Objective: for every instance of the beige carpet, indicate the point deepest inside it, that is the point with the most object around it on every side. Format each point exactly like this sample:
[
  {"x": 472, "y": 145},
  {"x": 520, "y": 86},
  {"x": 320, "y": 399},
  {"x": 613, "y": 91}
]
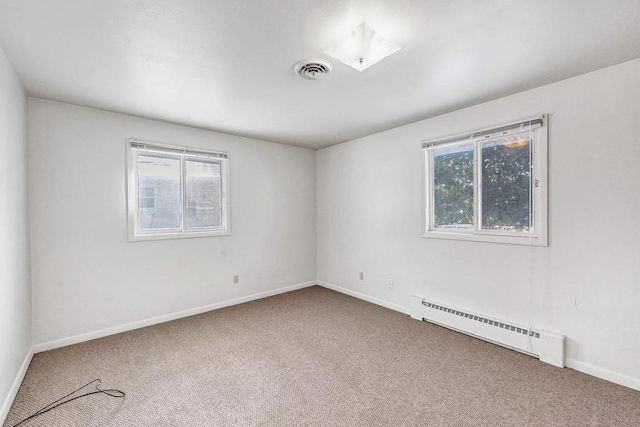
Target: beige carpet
[{"x": 313, "y": 357}]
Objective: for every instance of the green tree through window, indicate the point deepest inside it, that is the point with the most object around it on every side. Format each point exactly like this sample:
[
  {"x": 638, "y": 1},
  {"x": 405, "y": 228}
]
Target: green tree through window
[
  {"x": 506, "y": 184},
  {"x": 453, "y": 187}
]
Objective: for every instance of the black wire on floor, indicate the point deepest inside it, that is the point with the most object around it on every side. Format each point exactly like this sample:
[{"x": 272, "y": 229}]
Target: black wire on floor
[{"x": 109, "y": 392}]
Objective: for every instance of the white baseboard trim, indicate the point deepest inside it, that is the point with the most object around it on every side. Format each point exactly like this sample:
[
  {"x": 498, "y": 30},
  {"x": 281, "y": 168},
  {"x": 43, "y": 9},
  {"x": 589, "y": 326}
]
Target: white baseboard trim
[
  {"x": 587, "y": 368},
  {"x": 373, "y": 300},
  {"x": 8, "y": 401},
  {"x": 605, "y": 374},
  {"x": 50, "y": 345}
]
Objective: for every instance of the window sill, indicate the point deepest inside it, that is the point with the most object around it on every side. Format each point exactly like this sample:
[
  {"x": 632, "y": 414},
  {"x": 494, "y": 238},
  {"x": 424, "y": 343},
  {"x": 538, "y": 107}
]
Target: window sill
[
  {"x": 487, "y": 238},
  {"x": 178, "y": 235}
]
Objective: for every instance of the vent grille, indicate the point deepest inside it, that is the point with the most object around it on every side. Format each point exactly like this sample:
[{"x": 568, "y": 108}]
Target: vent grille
[
  {"x": 313, "y": 69},
  {"x": 481, "y": 319}
]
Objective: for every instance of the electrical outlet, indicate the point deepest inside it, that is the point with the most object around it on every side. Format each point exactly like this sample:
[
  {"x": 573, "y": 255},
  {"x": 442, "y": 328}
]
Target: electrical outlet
[
  {"x": 390, "y": 284},
  {"x": 236, "y": 280},
  {"x": 361, "y": 275}
]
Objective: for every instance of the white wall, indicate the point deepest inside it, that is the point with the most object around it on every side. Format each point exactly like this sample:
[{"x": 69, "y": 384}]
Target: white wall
[
  {"x": 87, "y": 276},
  {"x": 586, "y": 284},
  {"x": 15, "y": 287}
]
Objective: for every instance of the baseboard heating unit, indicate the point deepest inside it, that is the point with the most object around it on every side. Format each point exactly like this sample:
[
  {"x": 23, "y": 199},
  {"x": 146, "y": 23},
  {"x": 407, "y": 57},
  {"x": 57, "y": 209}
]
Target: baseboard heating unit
[{"x": 546, "y": 346}]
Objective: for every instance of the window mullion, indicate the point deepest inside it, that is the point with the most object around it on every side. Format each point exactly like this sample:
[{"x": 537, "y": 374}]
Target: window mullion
[{"x": 183, "y": 189}]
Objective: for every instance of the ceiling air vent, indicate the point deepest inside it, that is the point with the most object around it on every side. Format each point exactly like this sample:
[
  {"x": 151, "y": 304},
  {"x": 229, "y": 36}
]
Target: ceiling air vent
[{"x": 313, "y": 69}]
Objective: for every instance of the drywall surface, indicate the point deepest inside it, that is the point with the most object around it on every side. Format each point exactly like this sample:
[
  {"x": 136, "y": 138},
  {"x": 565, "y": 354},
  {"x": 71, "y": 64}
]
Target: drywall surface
[
  {"x": 88, "y": 277},
  {"x": 15, "y": 286},
  {"x": 585, "y": 285}
]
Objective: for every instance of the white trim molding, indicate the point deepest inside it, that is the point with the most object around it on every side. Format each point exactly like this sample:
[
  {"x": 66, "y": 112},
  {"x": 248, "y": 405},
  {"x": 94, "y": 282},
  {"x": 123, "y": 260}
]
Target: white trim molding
[
  {"x": 586, "y": 368},
  {"x": 13, "y": 391},
  {"x": 62, "y": 342},
  {"x": 604, "y": 374},
  {"x": 364, "y": 297}
]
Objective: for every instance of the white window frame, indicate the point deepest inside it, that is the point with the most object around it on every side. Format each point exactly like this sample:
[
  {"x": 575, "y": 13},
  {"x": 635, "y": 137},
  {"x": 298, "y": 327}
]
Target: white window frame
[
  {"x": 539, "y": 236},
  {"x": 133, "y": 224}
]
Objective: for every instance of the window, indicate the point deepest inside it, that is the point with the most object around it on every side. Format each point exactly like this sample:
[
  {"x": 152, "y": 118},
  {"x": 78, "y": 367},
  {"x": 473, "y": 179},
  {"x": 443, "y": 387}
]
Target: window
[
  {"x": 488, "y": 185},
  {"x": 176, "y": 192}
]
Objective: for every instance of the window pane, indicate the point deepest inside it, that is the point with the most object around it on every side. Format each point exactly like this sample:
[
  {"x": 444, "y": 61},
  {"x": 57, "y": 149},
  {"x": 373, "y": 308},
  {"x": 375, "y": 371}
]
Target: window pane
[
  {"x": 147, "y": 192},
  {"x": 506, "y": 183},
  {"x": 204, "y": 191},
  {"x": 147, "y": 202},
  {"x": 159, "y": 194},
  {"x": 453, "y": 187}
]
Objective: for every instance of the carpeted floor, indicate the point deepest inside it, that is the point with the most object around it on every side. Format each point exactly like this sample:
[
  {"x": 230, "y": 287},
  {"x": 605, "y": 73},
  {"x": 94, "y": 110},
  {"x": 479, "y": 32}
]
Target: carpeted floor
[{"x": 313, "y": 357}]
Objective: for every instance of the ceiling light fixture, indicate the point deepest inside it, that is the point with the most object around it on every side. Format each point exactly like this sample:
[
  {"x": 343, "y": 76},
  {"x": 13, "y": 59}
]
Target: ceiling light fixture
[{"x": 362, "y": 48}]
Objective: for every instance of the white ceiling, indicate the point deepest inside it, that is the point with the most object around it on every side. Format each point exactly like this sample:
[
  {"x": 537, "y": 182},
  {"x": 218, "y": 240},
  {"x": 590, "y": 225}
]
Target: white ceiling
[{"x": 227, "y": 65}]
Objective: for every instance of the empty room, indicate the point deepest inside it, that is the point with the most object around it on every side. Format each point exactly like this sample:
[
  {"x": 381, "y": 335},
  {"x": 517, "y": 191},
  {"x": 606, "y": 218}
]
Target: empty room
[{"x": 328, "y": 213}]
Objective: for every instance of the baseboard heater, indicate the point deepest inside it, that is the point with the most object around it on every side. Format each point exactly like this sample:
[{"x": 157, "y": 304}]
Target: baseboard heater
[{"x": 546, "y": 346}]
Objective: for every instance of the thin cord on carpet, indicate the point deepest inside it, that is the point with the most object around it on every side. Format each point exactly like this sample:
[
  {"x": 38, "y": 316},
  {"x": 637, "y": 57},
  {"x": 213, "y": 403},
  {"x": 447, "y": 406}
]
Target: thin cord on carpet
[{"x": 109, "y": 392}]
